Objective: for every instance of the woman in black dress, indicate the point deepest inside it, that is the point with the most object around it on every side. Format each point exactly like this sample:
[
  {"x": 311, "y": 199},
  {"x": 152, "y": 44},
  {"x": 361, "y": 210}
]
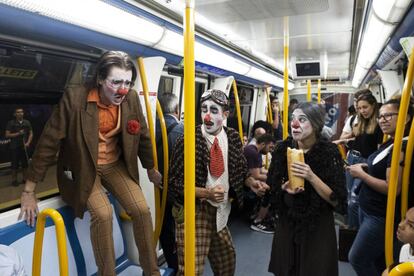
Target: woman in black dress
[{"x": 304, "y": 242}]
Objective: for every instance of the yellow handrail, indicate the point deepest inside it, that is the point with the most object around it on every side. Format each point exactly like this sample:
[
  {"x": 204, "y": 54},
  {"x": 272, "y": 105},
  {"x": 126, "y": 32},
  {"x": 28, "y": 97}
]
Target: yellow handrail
[
  {"x": 407, "y": 171},
  {"x": 269, "y": 107},
  {"x": 285, "y": 76},
  {"x": 153, "y": 143},
  {"x": 60, "y": 238},
  {"x": 404, "y": 269},
  {"x": 392, "y": 185},
  {"x": 319, "y": 91},
  {"x": 237, "y": 102},
  {"x": 164, "y": 136},
  {"x": 309, "y": 94},
  {"x": 189, "y": 137}
]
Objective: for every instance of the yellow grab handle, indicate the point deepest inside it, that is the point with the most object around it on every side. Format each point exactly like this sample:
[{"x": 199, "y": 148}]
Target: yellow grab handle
[
  {"x": 404, "y": 269},
  {"x": 153, "y": 143},
  {"x": 60, "y": 238},
  {"x": 237, "y": 102},
  {"x": 407, "y": 171}
]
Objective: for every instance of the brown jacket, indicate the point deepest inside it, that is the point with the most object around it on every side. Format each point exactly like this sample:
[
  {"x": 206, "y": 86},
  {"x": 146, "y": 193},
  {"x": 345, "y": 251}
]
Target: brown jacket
[{"x": 72, "y": 133}]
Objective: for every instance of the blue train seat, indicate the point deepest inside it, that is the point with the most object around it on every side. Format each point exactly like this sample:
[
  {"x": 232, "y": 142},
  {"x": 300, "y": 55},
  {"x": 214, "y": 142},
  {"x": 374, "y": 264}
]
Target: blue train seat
[{"x": 79, "y": 247}]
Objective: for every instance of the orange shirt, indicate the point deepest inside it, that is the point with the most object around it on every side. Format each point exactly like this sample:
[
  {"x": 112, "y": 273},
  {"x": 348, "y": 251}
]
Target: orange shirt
[{"x": 109, "y": 126}]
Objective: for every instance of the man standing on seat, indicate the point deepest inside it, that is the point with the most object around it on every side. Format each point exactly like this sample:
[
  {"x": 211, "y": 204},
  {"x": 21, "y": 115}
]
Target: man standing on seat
[
  {"x": 97, "y": 132},
  {"x": 20, "y": 133},
  {"x": 221, "y": 172}
]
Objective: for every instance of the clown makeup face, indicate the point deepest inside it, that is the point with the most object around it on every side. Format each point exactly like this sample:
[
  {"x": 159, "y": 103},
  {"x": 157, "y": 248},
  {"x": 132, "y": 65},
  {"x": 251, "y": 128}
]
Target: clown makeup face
[
  {"x": 115, "y": 87},
  {"x": 301, "y": 126},
  {"x": 213, "y": 116}
]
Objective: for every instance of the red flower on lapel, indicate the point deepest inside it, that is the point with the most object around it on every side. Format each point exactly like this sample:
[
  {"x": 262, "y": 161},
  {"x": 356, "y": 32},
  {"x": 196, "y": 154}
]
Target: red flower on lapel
[{"x": 133, "y": 127}]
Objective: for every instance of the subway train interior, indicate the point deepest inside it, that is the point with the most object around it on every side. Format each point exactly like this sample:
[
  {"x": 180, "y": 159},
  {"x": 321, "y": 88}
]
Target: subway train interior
[{"x": 309, "y": 50}]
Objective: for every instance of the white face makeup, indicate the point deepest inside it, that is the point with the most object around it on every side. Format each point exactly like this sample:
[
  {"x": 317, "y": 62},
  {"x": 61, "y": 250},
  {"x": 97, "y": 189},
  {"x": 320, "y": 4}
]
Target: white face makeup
[
  {"x": 115, "y": 86},
  {"x": 212, "y": 116},
  {"x": 301, "y": 126}
]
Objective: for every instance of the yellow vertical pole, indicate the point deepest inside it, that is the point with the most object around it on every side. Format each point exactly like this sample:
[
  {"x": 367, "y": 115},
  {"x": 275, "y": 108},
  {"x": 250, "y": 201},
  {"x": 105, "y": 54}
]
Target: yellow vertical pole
[
  {"x": 393, "y": 180},
  {"x": 60, "y": 239},
  {"x": 237, "y": 102},
  {"x": 309, "y": 94},
  {"x": 319, "y": 91},
  {"x": 153, "y": 143},
  {"x": 285, "y": 77},
  {"x": 269, "y": 106},
  {"x": 407, "y": 171},
  {"x": 189, "y": 138}
]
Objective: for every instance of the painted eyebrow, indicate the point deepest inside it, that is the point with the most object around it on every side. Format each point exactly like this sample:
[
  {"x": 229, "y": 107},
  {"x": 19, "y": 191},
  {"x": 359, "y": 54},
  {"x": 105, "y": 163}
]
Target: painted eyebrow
[{"x": 214, "y": 108}]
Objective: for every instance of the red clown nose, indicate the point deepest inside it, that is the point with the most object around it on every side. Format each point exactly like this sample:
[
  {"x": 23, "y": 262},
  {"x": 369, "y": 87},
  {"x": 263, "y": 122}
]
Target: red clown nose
[
  {"x": 207, "y": 118},
  {"x": 122, "y": 91}
]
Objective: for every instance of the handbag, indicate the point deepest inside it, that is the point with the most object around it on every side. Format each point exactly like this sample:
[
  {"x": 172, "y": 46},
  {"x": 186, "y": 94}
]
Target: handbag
[{"x": 346, "y": 239}]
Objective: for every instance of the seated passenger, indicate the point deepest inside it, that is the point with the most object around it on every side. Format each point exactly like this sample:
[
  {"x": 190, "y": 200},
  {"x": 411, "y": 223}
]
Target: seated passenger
[
  {"x": 221, "y": 173},
  {"x": 97, "y": 132},
  {"x": 405, "y": 234},
  {"x": 304, "y": 242},
  {"x": 367, "y": 252}
]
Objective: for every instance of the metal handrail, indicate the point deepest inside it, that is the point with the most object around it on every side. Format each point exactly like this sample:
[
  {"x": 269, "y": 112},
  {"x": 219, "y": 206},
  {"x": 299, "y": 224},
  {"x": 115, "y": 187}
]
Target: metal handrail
[
  {"x": 165, "y": 149},
  {"x": 285, "y": 76},
  {"x": 404, "y": 269},
  {"x": 407, "y": 171},
  {"x": 189, "y": 137},
  {"x": 237, "y": 102},
  {"x": 153, "y": 143},
  {"x": 395, "y": 163},
  {"x": 60, "y": 238},
  {"x": 309, "y": 94}
]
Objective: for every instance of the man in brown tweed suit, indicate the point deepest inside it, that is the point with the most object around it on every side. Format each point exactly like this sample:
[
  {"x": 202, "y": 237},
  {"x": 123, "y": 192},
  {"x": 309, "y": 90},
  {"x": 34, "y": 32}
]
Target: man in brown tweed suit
[
  {"x": 221, "y": 172},
  {"x": 97, "y": 133}
]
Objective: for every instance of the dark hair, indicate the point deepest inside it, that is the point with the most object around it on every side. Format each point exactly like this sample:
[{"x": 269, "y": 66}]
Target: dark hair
[
  {"x": 351, "y": 110},
  {"x": 397, "y": 102},
  {"x": 272, "y": 98},
  {"x": 367, "y": 125},
  {"x": 293, "y": 101},
  {"x": 316, "y": 115},
  {"x": 263, "y": 124},
  {"x": 112, "y": 59},
  {"x": 361, "y": 92},
  {"x": 169, "y": 103},
  {"x": 266, "y": 138}
]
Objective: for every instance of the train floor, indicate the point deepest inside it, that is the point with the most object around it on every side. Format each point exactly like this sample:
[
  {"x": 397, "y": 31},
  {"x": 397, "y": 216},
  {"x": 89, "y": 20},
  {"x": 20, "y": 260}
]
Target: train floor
[{"x": 253, "y": 251}]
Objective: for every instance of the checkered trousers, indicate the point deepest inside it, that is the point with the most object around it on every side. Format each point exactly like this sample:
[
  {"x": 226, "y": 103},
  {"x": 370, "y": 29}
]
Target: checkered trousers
[{"x": 217, "y": 246}]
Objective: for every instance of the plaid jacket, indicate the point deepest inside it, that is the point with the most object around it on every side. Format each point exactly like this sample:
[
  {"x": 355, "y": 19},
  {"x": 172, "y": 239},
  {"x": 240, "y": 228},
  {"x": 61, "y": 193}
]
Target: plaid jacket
[{"x": 237, "y": 166}]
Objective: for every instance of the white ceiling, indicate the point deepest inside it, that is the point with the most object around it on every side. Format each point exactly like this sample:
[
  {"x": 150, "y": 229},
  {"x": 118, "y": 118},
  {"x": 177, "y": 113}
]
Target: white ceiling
[{"x": 316, "y": 27}]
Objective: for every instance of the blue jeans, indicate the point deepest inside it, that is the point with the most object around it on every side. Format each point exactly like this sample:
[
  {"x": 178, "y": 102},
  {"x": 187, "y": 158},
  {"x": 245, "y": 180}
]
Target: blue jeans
[
  {"x": 367, "y": 255},
  {"x": 353, "y": 186}
]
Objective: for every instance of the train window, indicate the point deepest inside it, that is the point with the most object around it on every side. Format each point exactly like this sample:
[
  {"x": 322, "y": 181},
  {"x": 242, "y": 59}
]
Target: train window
[
  {"x": 166, "y": 85},
  {"x": 245, "y": 99},
  {"x": 31, "y": 82},
  {"x": 200, "y": 87}
]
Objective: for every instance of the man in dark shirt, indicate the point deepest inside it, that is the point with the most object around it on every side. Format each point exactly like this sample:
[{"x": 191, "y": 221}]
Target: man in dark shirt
[
  {"x": 20, "y": 132},
  {"x": 253, "y": 153}
]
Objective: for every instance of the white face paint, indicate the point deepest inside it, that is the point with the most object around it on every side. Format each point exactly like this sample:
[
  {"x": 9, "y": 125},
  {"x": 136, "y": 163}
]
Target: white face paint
[
  {"x": 212, "y": 116},
  {"x": 116, "y": 85},
  {"x": 301, "y": 126}
]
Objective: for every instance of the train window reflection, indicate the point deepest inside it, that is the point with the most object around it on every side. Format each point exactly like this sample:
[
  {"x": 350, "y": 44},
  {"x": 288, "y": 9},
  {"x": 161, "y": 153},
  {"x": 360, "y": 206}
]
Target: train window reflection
[
  {"x": 16, "y": 152},
  {"x": 31, "y": 83}
]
